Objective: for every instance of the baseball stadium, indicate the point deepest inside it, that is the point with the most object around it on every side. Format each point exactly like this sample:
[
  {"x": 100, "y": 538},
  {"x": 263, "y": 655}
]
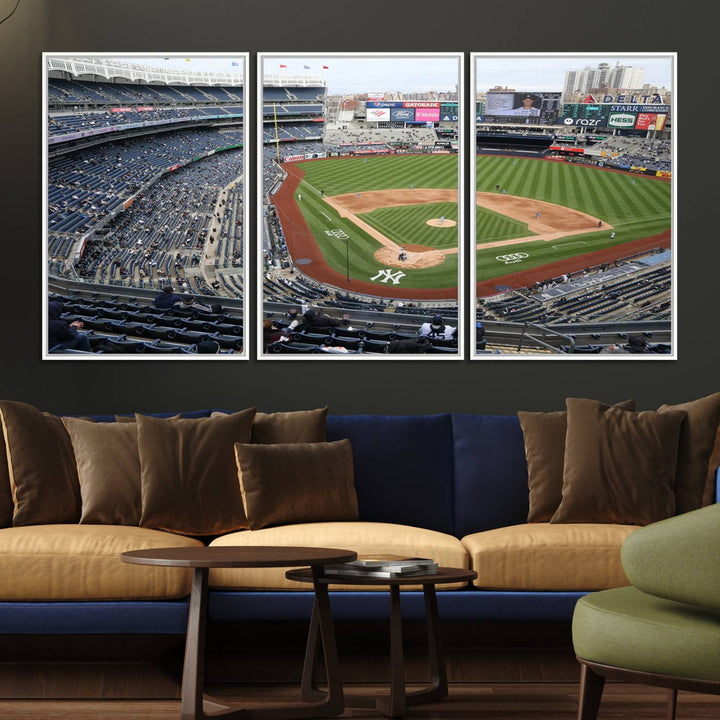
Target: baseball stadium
[
  {"x": 145, "y": 200},
  {"x": 361, "y": 220},
  {"x": 573, "y": 236}
]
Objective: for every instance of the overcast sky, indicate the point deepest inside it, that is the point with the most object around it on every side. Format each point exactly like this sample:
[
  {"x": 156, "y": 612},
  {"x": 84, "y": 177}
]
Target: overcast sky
[
  {"x": 548, "y": 73},
  {"x": 361, "y": 74},
  {"x": 197, "y": 63}
]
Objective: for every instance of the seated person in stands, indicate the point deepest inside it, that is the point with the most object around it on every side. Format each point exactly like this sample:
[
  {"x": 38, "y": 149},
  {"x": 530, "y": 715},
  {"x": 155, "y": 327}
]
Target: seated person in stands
[
  {"x": 272, "y": 333},
  {"x": 167, "y": 298},
  {"x": 438, "y": 329},
  {"x": 315, "y": 319},
  {"x": 63, "y": 335},
  {"x": 190, "y": 303}
]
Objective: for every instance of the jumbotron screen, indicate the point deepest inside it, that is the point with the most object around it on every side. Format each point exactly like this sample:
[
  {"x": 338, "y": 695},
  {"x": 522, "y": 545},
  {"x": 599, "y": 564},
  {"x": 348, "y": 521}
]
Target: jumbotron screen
[{"x": 528, "y": 108}]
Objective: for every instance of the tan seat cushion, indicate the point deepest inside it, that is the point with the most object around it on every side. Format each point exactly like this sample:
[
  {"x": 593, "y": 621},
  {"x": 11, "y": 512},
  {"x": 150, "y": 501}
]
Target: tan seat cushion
[
  {"x": 365, "y": 538},
  {"x": 544, "y": 556},
  {"x": 82, "y": 562}
]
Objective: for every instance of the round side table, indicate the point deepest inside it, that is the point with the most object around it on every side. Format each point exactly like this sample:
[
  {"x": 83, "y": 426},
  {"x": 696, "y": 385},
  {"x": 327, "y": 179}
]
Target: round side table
[
  {"x": 201, "y": 559},
  {"x": 395, "y": 704}
]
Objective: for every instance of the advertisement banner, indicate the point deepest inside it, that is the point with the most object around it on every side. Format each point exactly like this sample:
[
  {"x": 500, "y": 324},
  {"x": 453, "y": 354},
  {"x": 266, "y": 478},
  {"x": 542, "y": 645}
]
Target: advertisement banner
[
  {"x": 383, "y": 104},
  {"x": 645, "y": 121},
  {"x": 427, "y": 114},
  {"x": 421, "y": 104},
  {"x": 378, "y": 114},
  {"x": 122, "y": 110},
  {"x": 145, "y": 108},
  {"x": 584, "y": 122},
  {"x": 448, "y": 118},
  {"x": 660, "y": 122},
  {"x": 622, "y": 120},
  {"x": 402, "y": 114},
  {"x": 663, "y": 173},
  {"x": 293, "y": 158}
]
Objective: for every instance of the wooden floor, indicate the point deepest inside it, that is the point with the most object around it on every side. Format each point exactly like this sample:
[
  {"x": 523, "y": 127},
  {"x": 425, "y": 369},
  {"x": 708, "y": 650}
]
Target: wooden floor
[{"x": 476, "y": 701}]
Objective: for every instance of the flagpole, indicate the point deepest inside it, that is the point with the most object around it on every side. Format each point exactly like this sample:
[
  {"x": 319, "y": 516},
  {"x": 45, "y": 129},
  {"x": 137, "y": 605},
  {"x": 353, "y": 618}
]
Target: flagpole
[{"x": 277, "y": 139}]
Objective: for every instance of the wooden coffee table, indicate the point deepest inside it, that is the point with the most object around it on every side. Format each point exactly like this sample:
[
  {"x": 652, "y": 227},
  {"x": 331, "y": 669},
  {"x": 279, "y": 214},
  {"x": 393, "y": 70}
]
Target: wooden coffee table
[
  {"x": 395, "y": 704},
  {"x": 201, "y": 559}
]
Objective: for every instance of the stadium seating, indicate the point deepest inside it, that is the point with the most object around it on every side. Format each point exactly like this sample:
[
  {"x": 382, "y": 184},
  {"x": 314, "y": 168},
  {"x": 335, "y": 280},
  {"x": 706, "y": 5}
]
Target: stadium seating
[{"x": 115, "y": 325}]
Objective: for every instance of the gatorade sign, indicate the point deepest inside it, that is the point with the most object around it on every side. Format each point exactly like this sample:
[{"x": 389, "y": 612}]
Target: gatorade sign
[{"x": 621, "y": 120}]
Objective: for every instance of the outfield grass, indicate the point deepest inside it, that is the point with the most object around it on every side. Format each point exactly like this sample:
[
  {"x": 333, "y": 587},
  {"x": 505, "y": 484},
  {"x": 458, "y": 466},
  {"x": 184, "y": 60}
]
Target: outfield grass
[
  {"x": 337, "y": 176},
  {"x": 402, "y": 224},
  {"x": 635, "y": 209}
]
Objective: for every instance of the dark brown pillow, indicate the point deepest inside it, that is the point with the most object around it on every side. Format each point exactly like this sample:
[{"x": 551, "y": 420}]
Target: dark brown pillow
[
  {"x": 619, "y": 466},
  {"x": 108, "y": 466},
  {"x": 188, "y": 474},
  {"x": 41, "y": 466},
  {"x": 6, "y": 500},
  {"x": 300, "y": 426},
  {"x": 697, "y": 438},
  {"x": 544, "y": 435},
  {"x": 297, "y": 483},
  {"x": 297, "y": 426}
]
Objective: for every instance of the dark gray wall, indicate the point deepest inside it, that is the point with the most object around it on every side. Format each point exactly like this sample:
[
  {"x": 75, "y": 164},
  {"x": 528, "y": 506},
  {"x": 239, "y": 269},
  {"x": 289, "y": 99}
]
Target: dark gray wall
[{"x": 191, "y": 26}]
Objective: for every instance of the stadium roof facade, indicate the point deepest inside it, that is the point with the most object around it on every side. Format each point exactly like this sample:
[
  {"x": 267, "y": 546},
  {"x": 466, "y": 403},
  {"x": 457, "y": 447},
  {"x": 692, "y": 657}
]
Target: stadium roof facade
[
  {"x": 294, "y": 81},
  {"x": 117, "y": 70}
]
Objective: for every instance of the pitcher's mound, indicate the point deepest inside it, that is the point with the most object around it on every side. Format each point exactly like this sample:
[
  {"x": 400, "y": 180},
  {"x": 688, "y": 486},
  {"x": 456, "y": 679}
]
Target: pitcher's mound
[{"x": 437, "y": 222}]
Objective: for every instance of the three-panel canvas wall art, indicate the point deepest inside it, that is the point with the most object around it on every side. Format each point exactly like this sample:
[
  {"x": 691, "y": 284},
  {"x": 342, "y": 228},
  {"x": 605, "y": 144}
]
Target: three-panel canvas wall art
[{"x": 351, "y": 206}]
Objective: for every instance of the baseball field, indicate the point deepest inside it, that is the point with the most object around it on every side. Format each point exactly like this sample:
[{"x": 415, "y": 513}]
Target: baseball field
[
  {"x": 389, "y": 223},
  {"x": 578, "y": 215}
]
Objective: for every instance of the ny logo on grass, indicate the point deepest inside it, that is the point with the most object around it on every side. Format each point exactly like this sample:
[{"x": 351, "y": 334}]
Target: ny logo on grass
[{"x": 388, "y": 274}]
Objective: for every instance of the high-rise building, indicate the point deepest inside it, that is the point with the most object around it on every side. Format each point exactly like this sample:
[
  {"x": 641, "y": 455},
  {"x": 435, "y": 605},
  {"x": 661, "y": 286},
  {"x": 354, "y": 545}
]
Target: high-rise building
[{"x": 602, "y": 76}]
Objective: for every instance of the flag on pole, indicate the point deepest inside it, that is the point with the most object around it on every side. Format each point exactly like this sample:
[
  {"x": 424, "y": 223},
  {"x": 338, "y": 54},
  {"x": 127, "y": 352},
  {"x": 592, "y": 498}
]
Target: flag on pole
[
  {"x": 325, "y": 67},
  {"x": 306, "y": 67},
  {"x": 187, "y": 59},
  {"x": 283, "y": 66},
  {"x": 234, "y": 64}
]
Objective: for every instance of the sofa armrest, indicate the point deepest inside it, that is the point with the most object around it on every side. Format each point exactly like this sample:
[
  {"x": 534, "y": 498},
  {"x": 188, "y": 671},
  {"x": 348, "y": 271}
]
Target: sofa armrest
[{"x": 677, "y": 558}]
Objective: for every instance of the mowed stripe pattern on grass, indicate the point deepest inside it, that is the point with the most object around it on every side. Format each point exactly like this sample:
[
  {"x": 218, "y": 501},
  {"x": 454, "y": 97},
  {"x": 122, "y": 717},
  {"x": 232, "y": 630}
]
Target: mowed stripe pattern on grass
[
  {"x": 402, "y": 224},
  {"x": 494, "y": 226},
  {"x": 610, "y": 196},
  {"x": 408, "y": 224},
  {"x": 637, "y": 207},
  {"x": 356, "y": 174}
]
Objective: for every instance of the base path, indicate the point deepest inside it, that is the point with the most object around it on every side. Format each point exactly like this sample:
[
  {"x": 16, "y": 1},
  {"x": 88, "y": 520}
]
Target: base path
[
  {"x": 301, "y": 244},
  {"x": 416, "y": 256}
]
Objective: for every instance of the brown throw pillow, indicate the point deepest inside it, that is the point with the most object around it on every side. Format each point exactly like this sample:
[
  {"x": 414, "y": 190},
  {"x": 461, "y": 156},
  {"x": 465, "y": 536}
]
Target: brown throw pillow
[
  {"x": 297, "y": 483},
  {"x": 298, "y": 426},
  {"x": 619, "y": 466},
  {"x": 188, "y": 473},
  {"x": 697, "y": 438},
  {"x": 6, "y": 499},
  {"x": 544, "y": 435},
  {"x": 108, "y": 466},
  {"x": 41, "y": 466}
]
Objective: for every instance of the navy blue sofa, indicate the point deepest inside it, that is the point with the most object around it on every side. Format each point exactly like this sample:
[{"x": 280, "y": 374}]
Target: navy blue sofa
[{"x": 452, "y": 473}]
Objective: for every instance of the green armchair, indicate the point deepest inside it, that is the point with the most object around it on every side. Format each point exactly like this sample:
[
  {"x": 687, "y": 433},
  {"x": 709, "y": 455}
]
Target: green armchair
[{"x": 664, "y": 629}]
